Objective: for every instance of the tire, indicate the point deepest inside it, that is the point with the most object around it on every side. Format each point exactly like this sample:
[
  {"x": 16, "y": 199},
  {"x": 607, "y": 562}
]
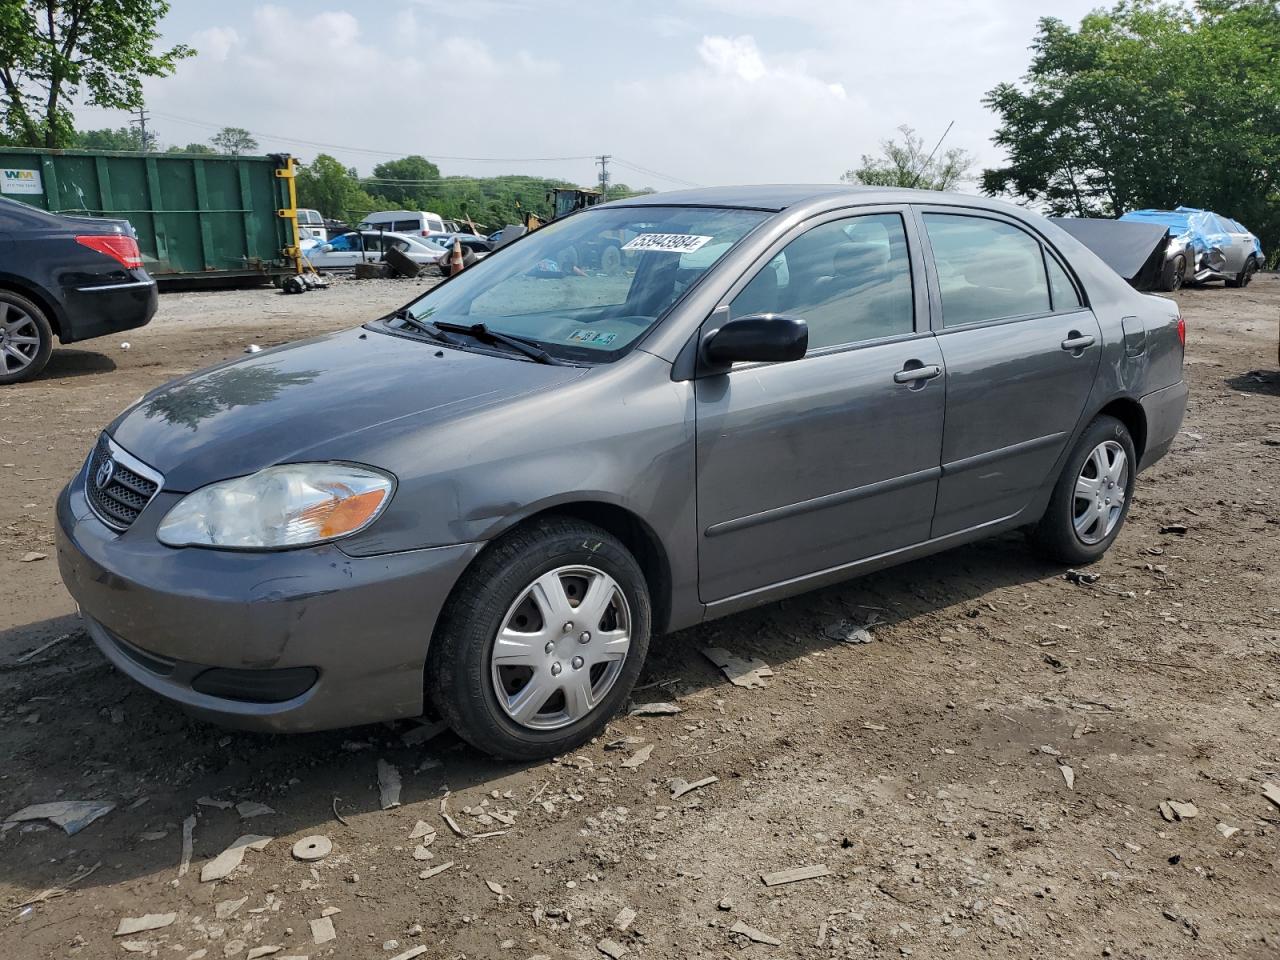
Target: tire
[
  {"x": 500, "y": 592},
  {"x": 22, "y": 322},
  {"x": 1059, "y": 535},
  {"x": 1246, "y": 274},
  {"x": 611, "y": 260},
  {"x": 1175, "y": 273}
]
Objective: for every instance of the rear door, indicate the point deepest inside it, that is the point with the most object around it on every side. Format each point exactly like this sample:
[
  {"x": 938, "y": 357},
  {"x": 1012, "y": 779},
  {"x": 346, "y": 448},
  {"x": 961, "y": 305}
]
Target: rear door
[
  {"x": 1021, "y": 352},
  {"x": 823, "y": 461}
]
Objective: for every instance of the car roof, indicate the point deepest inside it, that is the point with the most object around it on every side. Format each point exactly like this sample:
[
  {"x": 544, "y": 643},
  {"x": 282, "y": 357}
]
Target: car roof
[{"x": 779, "y": 196}]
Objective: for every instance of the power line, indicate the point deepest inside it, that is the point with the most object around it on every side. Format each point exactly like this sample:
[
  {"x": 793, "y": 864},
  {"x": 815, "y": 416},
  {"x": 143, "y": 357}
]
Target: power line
[
  {"x": 373, "y": 152},
  {"x": 654, "y": 173}
]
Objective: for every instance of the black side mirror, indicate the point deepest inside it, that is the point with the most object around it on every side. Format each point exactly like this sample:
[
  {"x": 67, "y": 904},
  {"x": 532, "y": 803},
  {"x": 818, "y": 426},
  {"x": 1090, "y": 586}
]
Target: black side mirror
[{"x": 758, "y": 338}]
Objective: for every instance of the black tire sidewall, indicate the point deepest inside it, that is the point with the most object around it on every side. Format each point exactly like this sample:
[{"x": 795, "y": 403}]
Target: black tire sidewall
[
  {"x": 45, "y": 331},
  {"x": 1056, "y": 533},
  {"x": 459, "y": 670},
  {"x": 1173, "y": 282}
]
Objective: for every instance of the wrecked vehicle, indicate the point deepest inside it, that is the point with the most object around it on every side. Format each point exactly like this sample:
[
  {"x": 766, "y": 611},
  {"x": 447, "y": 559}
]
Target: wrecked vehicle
[
  {"x": 369, "y": 246},
  {"x": 1219, "y": 248},
  {"x": 487, "y": 502},
  {"x": 1142, "y": 253}
]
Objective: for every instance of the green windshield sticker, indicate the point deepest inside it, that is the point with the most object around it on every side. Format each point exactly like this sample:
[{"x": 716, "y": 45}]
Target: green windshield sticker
[
  {"x": 593, "y": 336},
  {"x": 666, "y": 242}
]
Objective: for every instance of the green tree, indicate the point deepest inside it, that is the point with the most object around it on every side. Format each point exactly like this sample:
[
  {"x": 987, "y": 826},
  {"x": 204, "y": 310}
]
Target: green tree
[
  {"x": 326, "y": 185},
  {"x": 411, "y": 194},
  {"x": 54, "y": 51},
  {"x": 234, "y": 140},
  {"x": 121, "y": 138},
  {"x": 1148, "y": 105},
  {"x": 911, "y": 164},
  {"x": 192, "y": 148}
]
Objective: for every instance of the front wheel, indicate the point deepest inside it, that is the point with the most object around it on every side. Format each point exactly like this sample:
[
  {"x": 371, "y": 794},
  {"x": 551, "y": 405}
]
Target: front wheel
[
  {"x": 541, "y": 641},
  {"x": 1245, "y": 275},
  {"x": 1175, "y": 273},
  {"x": 1091, "y": 499}
]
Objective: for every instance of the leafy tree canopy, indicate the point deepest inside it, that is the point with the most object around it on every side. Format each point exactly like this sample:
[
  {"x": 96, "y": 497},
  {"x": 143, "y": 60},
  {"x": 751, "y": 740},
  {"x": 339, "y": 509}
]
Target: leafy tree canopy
[
  {"x": 912, "y": 164},
  {"x": 234, "y": 140},
  {"x": 53, "y": 51},
  {"x": 1149, "y": 105},
  {"x": 122, "y": 138}
]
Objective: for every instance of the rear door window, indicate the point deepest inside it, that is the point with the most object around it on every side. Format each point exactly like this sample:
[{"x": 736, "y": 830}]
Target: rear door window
[{"x": 987, "y": 269}]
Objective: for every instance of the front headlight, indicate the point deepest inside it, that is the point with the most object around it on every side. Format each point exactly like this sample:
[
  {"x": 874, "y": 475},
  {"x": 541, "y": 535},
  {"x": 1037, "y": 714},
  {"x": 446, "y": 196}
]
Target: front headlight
[{"x": 286, "y": 506}]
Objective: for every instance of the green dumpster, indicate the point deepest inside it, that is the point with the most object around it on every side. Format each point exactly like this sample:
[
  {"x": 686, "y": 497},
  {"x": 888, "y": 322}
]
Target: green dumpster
[{"x": 198, "y": 217}]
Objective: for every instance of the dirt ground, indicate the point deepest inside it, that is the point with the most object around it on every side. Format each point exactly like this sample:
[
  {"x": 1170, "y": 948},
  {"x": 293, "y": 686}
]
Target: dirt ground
[{"x": 925, "y": 770}]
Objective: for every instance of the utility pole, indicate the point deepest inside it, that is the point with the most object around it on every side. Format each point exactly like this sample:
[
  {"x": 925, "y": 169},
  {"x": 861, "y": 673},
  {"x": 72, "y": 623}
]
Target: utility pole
[
  {"x": 141, "y": 121},
  {"x": 603, "y": 160}
]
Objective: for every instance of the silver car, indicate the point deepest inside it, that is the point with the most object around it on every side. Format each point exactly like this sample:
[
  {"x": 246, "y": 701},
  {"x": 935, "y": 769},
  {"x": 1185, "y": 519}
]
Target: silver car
[{"x": 486, "y": 503}]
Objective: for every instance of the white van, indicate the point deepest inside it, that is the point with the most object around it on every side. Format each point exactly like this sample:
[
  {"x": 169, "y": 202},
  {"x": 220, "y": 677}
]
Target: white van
[
  {"x": 311, "y": 224},
  {"x": 422, "y": 222}
]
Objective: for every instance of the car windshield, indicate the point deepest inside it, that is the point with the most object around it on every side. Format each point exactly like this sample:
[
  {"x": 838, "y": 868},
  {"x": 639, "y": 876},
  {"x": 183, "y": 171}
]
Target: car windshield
[{"x": 589, "y": 286}]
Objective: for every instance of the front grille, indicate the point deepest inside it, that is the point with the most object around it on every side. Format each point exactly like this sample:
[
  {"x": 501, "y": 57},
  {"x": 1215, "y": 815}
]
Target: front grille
[{"x": 126, "y": 490}]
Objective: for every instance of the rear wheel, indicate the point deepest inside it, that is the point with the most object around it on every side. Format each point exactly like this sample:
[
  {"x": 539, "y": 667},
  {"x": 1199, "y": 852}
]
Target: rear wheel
[
  {"x": 1242, "y": 279},
  {"x": 26, "y": 338},
  {"x": 1091, "y": 499},
  {"x": 542, "y": 640}
]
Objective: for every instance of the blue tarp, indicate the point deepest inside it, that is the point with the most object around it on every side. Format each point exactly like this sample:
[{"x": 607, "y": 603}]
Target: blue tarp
[{"x": 1202, "y": 229}]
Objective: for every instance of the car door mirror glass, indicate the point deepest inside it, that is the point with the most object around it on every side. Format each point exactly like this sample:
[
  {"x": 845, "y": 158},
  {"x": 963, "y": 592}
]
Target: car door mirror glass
[{"x": 757, "y": 338}]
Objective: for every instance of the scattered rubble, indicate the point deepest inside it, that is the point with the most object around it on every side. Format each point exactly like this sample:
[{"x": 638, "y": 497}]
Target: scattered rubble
[
  {"x": 388, "y": 785},
  {"x": 1227, "y": 830},
  {"x": 32, "y": 557},
  {"x": 1175, "y": 810},
  {"x": 681, "y": 786},
  {"x": 757, "y": 936},
  {"x": 251, "y": 808},
  {"x": 1068, "y": 775},
  {"x": 1272, "y": 793},
  {"x": 654, "y": 710},
  {"x": 188, "y": 831},
  {"x": 612, "y": 949},
  {"x": 152, "y": 921},
  {"x": 625, "y": 918},
  {"x": 741, "y": 673},
  {"x": 225, "y": 862},
  {"x": 322, "y": 930},
  {"x": 794, "y": 875},
  {"x": 435, "y": 871},
  {"x": 639, "y": 757},
  {"x": 312, "y": 848},
  {"x": 71, "y": 815}
]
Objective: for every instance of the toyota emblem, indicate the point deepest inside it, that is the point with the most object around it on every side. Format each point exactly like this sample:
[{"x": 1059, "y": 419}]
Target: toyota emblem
[{"x": 105, "y": 472}]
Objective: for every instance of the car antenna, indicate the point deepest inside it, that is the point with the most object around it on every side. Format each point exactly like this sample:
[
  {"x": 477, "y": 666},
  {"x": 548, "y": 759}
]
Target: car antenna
[{"x": 915, "y": 182}]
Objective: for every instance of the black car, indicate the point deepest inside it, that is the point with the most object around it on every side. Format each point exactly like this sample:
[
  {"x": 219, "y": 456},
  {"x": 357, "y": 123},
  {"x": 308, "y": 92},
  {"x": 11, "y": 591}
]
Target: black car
[{"x": 70, "y": 277}]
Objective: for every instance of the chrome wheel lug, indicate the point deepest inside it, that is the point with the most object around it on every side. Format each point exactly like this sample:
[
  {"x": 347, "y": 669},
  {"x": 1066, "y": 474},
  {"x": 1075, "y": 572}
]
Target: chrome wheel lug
[
  {"x": 550, "y": 647},
  {"x": 568, "y": 627},
  {"x": 577, "y": 663},
  {"x": 555, "y": 669},
  {"x": 585, "y": 637}
]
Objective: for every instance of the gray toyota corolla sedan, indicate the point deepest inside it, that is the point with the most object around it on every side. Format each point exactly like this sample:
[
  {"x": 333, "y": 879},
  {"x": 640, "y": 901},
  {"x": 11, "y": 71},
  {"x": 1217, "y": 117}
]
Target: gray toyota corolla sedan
[{"x": 490, "y": 500}]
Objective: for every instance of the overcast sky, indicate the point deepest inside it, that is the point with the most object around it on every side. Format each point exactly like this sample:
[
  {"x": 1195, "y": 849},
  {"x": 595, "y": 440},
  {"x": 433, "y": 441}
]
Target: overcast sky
[{"x": 679, "y": 92}]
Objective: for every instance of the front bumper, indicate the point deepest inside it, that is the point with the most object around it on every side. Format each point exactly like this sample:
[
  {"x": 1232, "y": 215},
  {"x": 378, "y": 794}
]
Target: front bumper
[{"x": 343, "y": 640}]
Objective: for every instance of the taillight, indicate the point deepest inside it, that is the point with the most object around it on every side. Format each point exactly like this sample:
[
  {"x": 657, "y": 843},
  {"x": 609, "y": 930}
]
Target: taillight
[
  {"x": 1182, "y": 330},
  {"x": 119, "y": 248}
]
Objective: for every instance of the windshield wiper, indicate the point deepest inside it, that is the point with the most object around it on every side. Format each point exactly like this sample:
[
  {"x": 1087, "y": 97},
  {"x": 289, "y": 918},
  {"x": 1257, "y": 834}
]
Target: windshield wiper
[
  {"x": 522, "y": 345},
  {"x": 405, "y": 316}
]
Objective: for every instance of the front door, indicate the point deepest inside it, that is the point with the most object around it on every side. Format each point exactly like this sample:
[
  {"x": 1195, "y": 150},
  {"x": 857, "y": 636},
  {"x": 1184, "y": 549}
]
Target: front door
[
  {"x": 1021, "y": 352},
  {"x": 813, "y": 464}
]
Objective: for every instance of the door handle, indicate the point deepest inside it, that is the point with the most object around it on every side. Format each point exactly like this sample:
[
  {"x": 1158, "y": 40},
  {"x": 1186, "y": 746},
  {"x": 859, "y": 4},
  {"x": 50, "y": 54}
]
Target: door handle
[
  {"x": 918, "y": 373},
  {"x": 1077, "y": 341}
]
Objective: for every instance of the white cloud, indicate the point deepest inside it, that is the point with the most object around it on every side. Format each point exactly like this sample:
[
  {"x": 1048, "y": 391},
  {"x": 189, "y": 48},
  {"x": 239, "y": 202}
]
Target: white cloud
[
  {"x": 216, "y": 42},
  {"x": 713, "y": 91}
]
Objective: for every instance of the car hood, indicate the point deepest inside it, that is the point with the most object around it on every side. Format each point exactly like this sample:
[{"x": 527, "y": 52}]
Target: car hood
[{"x": 312, "y": 400}]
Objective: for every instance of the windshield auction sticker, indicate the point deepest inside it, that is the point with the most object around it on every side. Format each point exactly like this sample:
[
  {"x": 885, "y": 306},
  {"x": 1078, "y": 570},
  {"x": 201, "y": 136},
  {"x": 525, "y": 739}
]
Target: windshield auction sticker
[{"x": 666, "y": 242}]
